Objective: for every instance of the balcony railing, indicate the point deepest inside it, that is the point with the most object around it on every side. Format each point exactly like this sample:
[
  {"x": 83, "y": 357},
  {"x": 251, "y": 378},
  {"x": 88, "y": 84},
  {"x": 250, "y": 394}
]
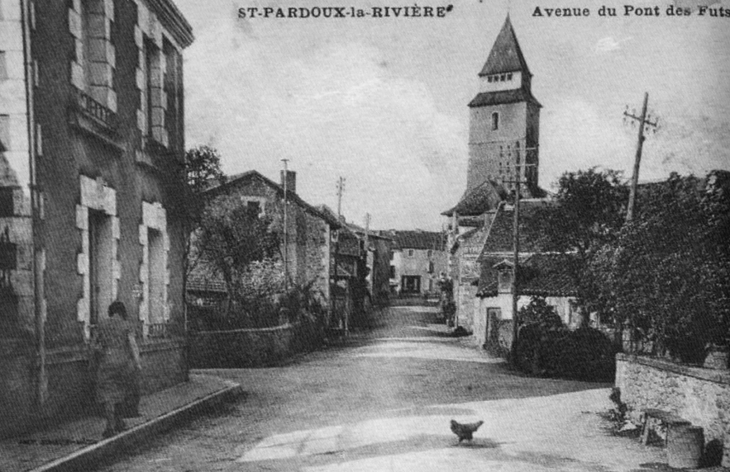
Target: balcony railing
[
  {"x": 165, "y": 330},
  {"x": 91, "y": 108}
]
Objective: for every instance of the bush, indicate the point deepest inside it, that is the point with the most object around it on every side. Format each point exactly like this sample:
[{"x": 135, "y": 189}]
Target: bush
[
  {"x": 583, "y": 354},
  {"x": 587, "y": 354}
]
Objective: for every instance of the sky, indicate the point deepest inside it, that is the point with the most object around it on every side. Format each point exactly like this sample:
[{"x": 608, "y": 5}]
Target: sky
[{"x": 382, "y": 102}]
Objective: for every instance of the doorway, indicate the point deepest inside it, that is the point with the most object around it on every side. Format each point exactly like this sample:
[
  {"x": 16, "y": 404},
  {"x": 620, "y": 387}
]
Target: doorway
[
  {"x": 101, "y": 277},
  {"x": 411, "y": 284}
]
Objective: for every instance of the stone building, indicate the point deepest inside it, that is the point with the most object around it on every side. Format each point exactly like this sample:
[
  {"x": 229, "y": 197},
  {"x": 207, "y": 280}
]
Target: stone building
[
  {"x": 307, "y": 242},
  {"x": 419, "y": 257},
  {"x": 91, "y": 138},
  {"x": 504, "y": 120},
  {"x": 541, "y": 274},
  {"x": 378, "y": 254}
]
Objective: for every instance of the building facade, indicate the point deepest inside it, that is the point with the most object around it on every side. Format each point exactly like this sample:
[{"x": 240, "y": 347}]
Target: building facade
[
  {"x": 542, "y": 274},
  {"x": 504, "y": 119},
  {"x": 504, "y": 123},
  {"x": 306, "y": 242},
  {"x": 91, "y": 131},
  {"x": 419, "y": 258}
]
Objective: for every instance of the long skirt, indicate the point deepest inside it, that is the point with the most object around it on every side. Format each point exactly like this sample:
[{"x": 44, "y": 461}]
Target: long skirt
[{"x": 117, "y": 383}]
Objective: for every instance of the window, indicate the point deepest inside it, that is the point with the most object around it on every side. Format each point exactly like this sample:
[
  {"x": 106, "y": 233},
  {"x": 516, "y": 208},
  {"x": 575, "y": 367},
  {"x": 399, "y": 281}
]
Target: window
[
  {"x": 4, "y": 133},
  {"x": 254, "y": 208},
  {"x": 7, "y": 206},
  {"x": 255, "y": 205},
  {"x": 151, "y": 64},
  {"x": 490, "y": 78},
  {"x": 509, "y": 76},
  {"x": 392, "y": 272},
  {"x": 410, "y": 284},
  {"x": 430, "y": 267},
  {"x": 3, "y": 66},
  {"x": 495, "y": 121},
  {"x": 410, "y": 253},
  {"x": 93, "y": 61},
  {"x": 505, "y": 280},
  {"x": 156, "y": 276},
  {"x": 429, "y": 253},
  {"x": 172, "y": 86}
]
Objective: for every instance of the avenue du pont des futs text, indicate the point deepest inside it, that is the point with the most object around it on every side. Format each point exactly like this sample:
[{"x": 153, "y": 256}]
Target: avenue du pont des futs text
[{"x": 632, "y": 10}]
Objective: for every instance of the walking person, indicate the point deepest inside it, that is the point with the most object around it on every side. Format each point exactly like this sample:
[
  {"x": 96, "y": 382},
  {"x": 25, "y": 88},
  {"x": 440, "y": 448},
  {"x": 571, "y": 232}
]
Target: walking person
[{"x": 119, "y": 366}]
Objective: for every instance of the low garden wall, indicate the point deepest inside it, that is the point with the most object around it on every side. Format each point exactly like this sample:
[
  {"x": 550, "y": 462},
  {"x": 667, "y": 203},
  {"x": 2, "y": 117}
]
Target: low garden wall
[
  {"x": 699, "y": 395},
  {"x": 251, "y": 347}
]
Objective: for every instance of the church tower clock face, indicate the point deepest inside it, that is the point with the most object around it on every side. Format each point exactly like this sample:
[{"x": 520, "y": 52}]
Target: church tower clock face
[{"x": 504, "y": 120}]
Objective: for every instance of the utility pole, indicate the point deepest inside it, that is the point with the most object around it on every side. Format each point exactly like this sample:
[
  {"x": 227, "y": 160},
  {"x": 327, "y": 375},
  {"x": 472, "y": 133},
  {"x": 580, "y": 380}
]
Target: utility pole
[
  {"x": 516, "y": 250},
  {"x": 645, "y": 124},
  {"x": 286, "y": 226},
  {"x": 367, "y": 234},
  {"x": 368, "y": 268},
  {"x": 345, "y": 320},
  {"x": 340, "y": 190}
]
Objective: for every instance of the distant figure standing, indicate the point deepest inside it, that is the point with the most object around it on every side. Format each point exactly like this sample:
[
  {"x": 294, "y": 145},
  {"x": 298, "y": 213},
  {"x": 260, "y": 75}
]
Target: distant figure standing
[{"x": 119, "y": 366}]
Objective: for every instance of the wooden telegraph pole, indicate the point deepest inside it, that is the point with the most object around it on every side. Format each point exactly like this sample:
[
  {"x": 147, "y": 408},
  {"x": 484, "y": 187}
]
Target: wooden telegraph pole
[
  {"x": 340, "y": 190},
  {"x": 645, "y": 124},
  {"x": 516, "y": 251},
  {"x": 286, "y": 227}
]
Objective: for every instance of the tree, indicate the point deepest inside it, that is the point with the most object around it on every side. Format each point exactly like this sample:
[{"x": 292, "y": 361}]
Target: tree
[
  {"x": 668, "y": 272},
  {"x": 200, "y": 170},
  {"x": 587, "y": 213},
  {"x": 230, "y": 237},
  {"x": 540, "y": 313}
]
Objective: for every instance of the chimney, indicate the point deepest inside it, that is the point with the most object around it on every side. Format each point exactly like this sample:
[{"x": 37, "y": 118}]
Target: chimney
[{"x": 289, "y": 177}]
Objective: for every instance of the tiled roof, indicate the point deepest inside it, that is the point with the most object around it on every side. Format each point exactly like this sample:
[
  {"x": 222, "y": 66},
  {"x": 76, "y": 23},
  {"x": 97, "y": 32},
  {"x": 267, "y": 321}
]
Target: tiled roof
[
  {"x": 202, "y": 279},
  {"x": 503, "y": 97},
  {"x": 500, "y": 239},
  {"x": 419, "y": 240},
  {"x": 545, "y": 275},
  {"x": 291, "y": 196},
  {"x": 506, "y": 54},
  {"x": 482, "y": 198},
  {"x": 488, "y": 277}
]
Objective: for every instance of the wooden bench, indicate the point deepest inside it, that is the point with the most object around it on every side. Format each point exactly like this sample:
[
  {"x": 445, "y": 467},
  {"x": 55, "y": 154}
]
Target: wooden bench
[{"x": 652, "y": 416}]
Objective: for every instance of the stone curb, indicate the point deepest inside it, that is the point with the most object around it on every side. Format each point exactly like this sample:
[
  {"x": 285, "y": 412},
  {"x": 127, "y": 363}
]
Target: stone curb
[{"x": 87, "y": 457}]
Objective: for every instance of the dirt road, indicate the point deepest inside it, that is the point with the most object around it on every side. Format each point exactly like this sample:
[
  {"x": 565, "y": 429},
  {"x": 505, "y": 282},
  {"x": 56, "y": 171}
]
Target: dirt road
[{"x": 381, "y": 401}]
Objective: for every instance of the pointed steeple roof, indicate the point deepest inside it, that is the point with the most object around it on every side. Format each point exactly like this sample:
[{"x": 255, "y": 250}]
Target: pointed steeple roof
[{"x": 506, "y": 55}]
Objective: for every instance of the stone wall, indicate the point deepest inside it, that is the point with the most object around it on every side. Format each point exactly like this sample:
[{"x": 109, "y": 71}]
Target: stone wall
[
  {"x": 699, "y": 395},
  {"x": 251, "y": 347},
  {"x": 71, "y": 381},
  {"x": 466, "y": 301}
]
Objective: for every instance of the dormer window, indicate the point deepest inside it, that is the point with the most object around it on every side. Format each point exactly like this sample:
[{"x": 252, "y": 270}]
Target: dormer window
[
  {"x": 505, "y": 279},
  {"x": 495, "y": 121}
]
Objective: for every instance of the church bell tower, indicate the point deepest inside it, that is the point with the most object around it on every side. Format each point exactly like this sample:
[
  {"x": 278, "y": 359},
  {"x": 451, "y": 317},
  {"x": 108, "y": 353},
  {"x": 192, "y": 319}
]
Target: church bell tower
[{"x": 504, "y": 120}]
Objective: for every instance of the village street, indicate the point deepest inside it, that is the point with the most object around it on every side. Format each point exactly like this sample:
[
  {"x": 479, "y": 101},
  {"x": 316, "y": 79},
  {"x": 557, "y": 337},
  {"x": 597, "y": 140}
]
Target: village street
[{"x": 383, "y": 401}]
